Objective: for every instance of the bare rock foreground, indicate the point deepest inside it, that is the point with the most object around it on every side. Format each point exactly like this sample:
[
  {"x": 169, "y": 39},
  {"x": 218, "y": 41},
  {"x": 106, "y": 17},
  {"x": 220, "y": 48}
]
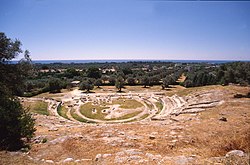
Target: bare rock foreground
[{"x": 188, "y": 129}]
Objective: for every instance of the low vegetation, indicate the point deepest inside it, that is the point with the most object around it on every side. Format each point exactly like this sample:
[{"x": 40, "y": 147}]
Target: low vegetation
[
  {"x": 128, "y": 116},
  {"x": 62, "y": 111},
  {"x": 87, "y": 109},
  {"x": 95, "y": 111},
  {"x": 78, "y": 118},
  {"x": 128, "y": 103},
  {"x": 159, "y": 105}
]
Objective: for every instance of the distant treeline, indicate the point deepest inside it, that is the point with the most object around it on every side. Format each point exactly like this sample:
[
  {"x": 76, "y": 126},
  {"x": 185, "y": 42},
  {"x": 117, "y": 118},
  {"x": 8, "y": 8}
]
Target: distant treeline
[
  {"x": 53, "y": 77},
  {"x": 236, "y": 73}
]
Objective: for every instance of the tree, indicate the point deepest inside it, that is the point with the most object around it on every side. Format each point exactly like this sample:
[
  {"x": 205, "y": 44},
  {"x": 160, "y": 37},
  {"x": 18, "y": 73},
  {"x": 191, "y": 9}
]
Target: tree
[
  {"x": 112, "y": 80},
  {"x": 119, "y": 83},
  {"x": 55, "y": 85},
  {"x": 145, "y": 81},
  {"x": 98, "y": 83},
  {"x": 93, "y": 72},
  {"x": 229, "y": 76},
  {"x": 165, "y": 83},
  {"x": 86, "y": 85},
  {"x": 154, "y": 80},
  {"x": 104, "y": 79},
  {"x": 131, "y": 81},
  {"x": 71, "y": 72},
  {"x": 188, "y": 83},
  {"x": 127, "y": 71},
  {"x": 16, "y": 124}
]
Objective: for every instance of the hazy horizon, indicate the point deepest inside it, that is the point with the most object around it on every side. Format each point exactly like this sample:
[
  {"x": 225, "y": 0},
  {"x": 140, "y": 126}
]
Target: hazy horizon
[{"x": 133, "y": 29}]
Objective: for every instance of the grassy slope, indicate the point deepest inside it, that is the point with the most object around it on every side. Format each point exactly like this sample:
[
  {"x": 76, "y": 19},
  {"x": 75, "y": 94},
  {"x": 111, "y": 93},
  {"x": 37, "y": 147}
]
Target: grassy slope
[{"x": 39, "y": 107}]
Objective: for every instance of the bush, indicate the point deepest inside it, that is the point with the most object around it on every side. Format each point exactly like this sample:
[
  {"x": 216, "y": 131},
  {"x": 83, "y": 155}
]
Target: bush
[{"x": 16, "y": 124}]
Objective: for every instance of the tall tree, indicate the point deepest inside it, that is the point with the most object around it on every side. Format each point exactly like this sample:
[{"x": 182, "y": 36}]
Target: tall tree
[
  {"x": 93, "y": 72},
  {"x": 86, "y": 85},
  {"x": 55, "y": 85},
  {"x": 16, "y": 124},
  {"x": 112, "y": 80},
  {"x": 119, "y": 83},
  {"x": 98, "y": 83},
  {"x": 145, "y": 81},
  {"x": 131, "y": 81}
]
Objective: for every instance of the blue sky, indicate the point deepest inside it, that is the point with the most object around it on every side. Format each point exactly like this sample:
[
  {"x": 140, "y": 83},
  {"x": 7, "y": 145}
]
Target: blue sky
[{"x": 129, "y": 29}]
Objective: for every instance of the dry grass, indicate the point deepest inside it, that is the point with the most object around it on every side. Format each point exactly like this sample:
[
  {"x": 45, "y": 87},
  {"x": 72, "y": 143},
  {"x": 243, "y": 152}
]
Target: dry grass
[
  {"x": 87, "y": 108},
  {"x": 182, "y": 78},
  {"x": 10, "y": 159},
  {"x": 159, "y": 105},
  {"x": 39, "y": 107},
  {"x": 78, "y": 118},
  {"x": 127, "y": 103},
  {"x": 62, "y": 111},
  {"x": 54, "y": 95},
  {"x": 203, "y": 135}
]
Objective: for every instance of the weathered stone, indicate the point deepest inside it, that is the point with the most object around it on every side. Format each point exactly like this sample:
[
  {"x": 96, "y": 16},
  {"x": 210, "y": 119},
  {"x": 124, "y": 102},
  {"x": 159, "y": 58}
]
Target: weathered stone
[
  {"x": 235, "y": 153},
  {"x": 135, "y": 157},
  {"x": 120, "y": 153},
  {"x": 133, "y": 152},
  {"x": 98, "y": 157},
  {"x": 174, "y": 141},
  {"x": 182, "y": 160},
  {"x": 53, "y": 129},
  {"x": 68, "y": 160},
  {"x": 122, "y": 133},
  {"x": 153, "y": 157},
  {"x": 106, "y": 155},
  {"x": 49, "y": 161},
  {"x": 223, "y": 119},
  {"x": 152, "y": 137},
  {"x": 120, "y": 159}
]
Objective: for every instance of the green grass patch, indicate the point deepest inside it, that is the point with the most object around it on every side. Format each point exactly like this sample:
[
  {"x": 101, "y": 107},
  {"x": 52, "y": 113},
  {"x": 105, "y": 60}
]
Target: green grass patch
[
  {"x": 87, "y": 108},
  {"x": 159, "y": 105},
  {"x": 39, "y": 107},
  {"x": 144, "y": 116},
  {"x": 62, "y": 111},
  {"x": 78, "y": 118},
  {"x": 128, "y": 104},
  {"x": 149, "y": 105}
]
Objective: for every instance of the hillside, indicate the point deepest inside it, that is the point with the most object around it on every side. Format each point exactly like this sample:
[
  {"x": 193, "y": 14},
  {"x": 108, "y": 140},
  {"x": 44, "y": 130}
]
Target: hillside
[{"x": 192, "y": 132}]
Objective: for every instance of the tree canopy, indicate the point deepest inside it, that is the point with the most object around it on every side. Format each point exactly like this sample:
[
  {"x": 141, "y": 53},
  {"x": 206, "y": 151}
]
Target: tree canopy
[{"x": 16, "y": 124}]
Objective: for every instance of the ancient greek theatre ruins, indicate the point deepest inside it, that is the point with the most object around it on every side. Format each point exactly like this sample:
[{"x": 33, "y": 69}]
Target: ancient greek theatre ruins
[{"x": 126, "y": 107}]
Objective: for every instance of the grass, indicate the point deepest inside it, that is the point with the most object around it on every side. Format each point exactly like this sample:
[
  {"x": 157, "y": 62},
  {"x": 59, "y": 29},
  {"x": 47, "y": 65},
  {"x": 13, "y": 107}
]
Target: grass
[
  {"x": 128, "y": 104},
  {"x": 144, "y": 116},
  {"x": 53, "y": 95},
  {"x": 62, "y": 111},
  {"x": 78, "y": 118},
  {"x": 127, "y": 116},
  {"x": 39, "y": 107},
  {"x": 86, "y": 109},
  {"x": 159, "y": 105},
  {"x": 149, "y": 105}
]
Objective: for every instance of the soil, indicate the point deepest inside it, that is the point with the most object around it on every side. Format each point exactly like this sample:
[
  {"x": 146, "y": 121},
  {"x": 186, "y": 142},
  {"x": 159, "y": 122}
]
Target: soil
[{"x": 188, "y": 130}]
